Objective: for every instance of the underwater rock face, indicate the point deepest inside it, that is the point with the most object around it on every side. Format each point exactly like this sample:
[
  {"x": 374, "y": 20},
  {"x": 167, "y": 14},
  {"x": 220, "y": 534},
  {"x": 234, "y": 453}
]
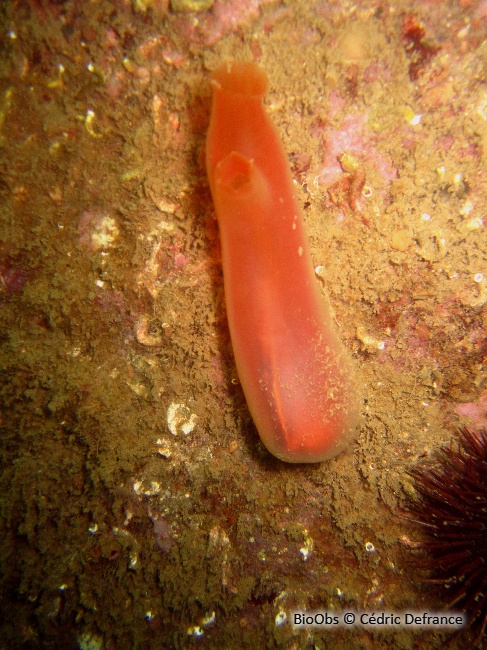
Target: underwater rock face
[{"x": 139, "y": 507}]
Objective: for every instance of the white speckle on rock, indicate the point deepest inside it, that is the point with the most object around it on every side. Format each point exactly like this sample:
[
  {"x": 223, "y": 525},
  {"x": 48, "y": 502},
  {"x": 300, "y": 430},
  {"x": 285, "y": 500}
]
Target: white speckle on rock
[{"x": 180, "y": 419}]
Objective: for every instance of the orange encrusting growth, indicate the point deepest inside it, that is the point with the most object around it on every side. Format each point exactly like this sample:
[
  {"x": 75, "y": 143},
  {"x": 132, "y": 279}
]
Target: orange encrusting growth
[{"x": 297, "y": 377}]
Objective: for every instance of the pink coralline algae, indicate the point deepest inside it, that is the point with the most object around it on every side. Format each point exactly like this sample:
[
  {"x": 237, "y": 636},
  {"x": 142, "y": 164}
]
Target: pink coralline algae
[
  {"x": 351, "y": 138},
  {"x": 477, "y": 412},
  {"x": 163, "y": 534},
  {"x": 225, "y": 17},
  {"x": 13, "y": 277}
]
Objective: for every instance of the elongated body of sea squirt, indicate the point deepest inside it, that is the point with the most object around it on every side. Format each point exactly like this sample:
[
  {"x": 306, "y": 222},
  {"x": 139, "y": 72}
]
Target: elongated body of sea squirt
[{"x": 297, "y": 377}]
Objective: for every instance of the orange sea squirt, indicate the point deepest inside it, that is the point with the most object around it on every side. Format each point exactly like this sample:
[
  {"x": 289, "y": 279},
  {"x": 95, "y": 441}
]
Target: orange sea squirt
[{"x": 297, "y": 377}]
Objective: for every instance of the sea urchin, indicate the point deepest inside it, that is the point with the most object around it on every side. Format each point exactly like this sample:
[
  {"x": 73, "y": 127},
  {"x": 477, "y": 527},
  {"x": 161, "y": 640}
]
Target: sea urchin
[{"x": 451, "y": 508}]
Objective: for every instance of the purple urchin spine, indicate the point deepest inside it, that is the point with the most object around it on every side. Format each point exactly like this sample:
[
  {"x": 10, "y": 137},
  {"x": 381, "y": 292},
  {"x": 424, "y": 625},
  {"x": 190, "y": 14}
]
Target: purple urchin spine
[{"x": 451, "y": 508}]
